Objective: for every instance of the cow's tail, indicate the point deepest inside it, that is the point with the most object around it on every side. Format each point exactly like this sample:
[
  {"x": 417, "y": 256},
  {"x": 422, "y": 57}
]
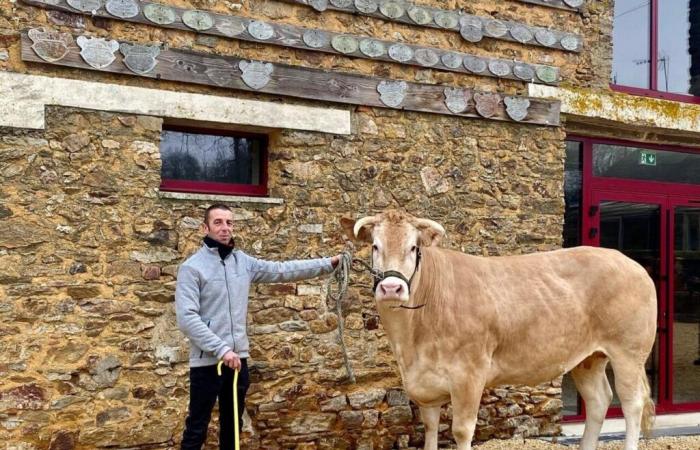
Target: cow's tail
[{"x": 649, "y": 411}]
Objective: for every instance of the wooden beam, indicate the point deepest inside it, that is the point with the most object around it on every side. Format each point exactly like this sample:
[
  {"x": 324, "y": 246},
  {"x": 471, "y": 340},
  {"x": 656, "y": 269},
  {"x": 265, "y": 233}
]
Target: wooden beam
[
  {"x": 291, "y": 36},
  {"x": 429, "y": 17},
  {"x": 271, "y": 78}
]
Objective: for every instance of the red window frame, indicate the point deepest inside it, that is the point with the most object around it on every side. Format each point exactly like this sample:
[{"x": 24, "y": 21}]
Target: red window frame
[
  {"x": 653, "y": 91},
  {"x": 208, "y": 187}
]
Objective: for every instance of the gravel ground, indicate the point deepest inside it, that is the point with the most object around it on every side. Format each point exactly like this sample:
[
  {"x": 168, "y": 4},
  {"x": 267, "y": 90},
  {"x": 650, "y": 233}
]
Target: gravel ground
[{"x": 662, "y": 443}]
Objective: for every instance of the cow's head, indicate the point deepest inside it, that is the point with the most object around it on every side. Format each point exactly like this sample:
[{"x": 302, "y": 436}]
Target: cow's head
[{"x": 396, "y": 239}]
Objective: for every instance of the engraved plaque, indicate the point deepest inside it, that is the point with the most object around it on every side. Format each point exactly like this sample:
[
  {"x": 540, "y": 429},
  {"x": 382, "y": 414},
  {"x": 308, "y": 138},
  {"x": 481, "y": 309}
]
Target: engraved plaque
[
  {"x": 521, "y": 33},
  {"x": 545, "y": 37},
  {"x": 392, "y": 93},
  {"x": 499, "y": 67},
  {"x": 426, "y": 57},
  {"x": 487, "y": 105},
  {"x": 366, "y": 6},
  {"x": 122, "y": 8},
  {"x": 160, "y": 14},
  {"x": 446, "y": 19},
  {"x": 97, "y": 52},
  {"x": 319, "y": 5},
  {"x": 495, "y": 28},
  {"x": 260, "y": 30},
  {"x": 344, "y": 44},
  {"x": 570, "y": 42},
  {"x": 50, "y": 46},
  {"x": 85, "y": 5},
  {"x": 457, "y": 100},
  {"x": 516, "y": 107},
  {"x": 315, "y": 38},
  {"x": 400, "y": 52},
  {"x": 474, "y": 64},
  {"x": 372, "y": 48},
  {"x": 391, "y": 9},
  {"x": 451, "y": 60},
  {"x": 255, "y": 73},
  {"x": 547, "y": 74},
  {"x": 524, "y": 71},
  {"x": 471, "y": 33},
  {"x": 140, "y": 59},
  {"x": 230, "y": 28},
  {"x": 419, "y": 15},
  {"x": 574, "y": 3},
  {"x": 473, "y": 21},
  {"x": 342, "y": 3},
  {"x": 197, "y": 20}
]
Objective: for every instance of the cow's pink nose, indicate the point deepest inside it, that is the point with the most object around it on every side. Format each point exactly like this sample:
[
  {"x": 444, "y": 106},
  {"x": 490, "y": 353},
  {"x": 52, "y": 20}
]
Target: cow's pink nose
[{"x": 389, "y": 288}]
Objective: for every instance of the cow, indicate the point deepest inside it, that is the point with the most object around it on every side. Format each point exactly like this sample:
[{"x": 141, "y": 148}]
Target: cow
[{"x": 459, "y": 323}]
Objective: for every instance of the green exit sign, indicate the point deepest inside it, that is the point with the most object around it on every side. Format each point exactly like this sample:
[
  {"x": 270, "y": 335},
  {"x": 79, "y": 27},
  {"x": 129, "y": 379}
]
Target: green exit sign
[{"x": 647, "y": 159}]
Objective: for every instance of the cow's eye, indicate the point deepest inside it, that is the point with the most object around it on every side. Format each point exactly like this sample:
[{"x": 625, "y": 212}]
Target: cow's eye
[
  {"x": 374, "y": 248},
  {"x": 413, "y": 249}
]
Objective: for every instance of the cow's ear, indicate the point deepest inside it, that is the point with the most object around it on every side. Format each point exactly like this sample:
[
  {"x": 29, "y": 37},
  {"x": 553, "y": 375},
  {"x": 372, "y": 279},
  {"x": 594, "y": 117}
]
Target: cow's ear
[
  {"x": 362, "y": 227},
  {"x": 430, "y": 232}
]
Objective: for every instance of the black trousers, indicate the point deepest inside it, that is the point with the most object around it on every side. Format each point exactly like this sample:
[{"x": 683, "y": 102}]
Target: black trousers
[{"x": 205, "y": 387}]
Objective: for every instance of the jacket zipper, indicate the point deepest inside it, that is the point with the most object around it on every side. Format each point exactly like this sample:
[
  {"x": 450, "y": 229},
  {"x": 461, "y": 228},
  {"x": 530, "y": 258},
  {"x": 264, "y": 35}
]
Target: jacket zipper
[{"x": 228, "y": 295}]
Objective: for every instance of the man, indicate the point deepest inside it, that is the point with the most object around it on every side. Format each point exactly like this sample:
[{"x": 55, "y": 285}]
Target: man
[{"x": 212, "y": 305}]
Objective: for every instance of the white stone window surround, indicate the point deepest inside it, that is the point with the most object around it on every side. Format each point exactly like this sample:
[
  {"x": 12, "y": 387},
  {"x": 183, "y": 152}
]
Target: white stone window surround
[{"x": 25, "y": 97}]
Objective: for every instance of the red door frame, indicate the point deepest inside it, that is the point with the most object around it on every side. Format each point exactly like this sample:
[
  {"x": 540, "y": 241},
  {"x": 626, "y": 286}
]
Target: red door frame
[{"x": 667, "y": 196}]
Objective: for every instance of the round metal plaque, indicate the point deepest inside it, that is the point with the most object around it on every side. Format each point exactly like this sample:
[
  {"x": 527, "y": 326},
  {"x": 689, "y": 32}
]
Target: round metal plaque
[
  {"x": 470, "y": 20},
  {"x": 160, "y": 14},
  {"x": 400, "y": 52},
  {"x": 426, "y": 57},
  {"x": 85, "y": 5},
  {"x": 545, "y": 37},
  {"x": 521, "y": 33},
  {"x": 548, "y": 74},
  {"x": 342, "y": 3},
  {"x": 570, "y": 42},
  {"x": 319, "y": 5},
  {"x": 230, "y": 27},
  {"x": 499, "y": 67},
  {"x": 524, "y": 71},
  {"x": 122, "y": 8},
  {"x": 451, "y": 60},
  {"x": 50, "y": 45},
  {"x": 197, "y": 20},
  {"x": 315, "y": 38},
  {"x": 474, "y": 64},
  {"x": 446, "y": 19},
  {"x": 140, "y": 59},
  {"x": 495, "y": 28},
  {"x": 97, "y": 52},
  {"x": 392, "y": 93},
  {"x": 392, "y": 9},
  {"x": 419, "y": 15},
  {"x": 457, "y": 100},
  {"x": 471, "y": 33},
  {"x": 487, "y": 104},
  {"x": 344, "y": 44},
  {"x": 372, "y": 48},
  {"x": 260, "y": 30},
  {"x": 574, "y": 3},
  {"x": 366, "y": 6},
  {"x": 516, "y": 107},
  {"x": 256, "y": 74}
]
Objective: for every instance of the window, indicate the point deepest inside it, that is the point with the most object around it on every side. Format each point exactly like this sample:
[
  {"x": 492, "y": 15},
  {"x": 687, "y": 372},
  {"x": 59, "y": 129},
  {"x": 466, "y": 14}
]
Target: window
[
  {"x": 213, "y": 162},
  {"x": 656, "y": 48}
]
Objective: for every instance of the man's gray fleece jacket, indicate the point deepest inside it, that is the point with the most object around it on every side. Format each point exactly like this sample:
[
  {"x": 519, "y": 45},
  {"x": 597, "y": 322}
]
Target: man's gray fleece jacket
[{"x": 211, "y": 298}]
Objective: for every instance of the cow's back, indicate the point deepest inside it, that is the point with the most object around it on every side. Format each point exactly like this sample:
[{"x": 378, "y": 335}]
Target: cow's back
[{"x": 538, "y": 315}]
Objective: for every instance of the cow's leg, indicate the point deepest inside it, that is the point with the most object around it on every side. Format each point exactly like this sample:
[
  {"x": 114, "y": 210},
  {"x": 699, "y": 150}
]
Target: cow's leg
[
  {"x": 431, "y": 420},
  {"x": 594, "y": 388},
  {"x": 465, "y": 407},
  {"x": 632, "y": 387}
]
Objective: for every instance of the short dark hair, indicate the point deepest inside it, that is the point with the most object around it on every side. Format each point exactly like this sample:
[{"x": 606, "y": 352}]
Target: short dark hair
[{"x": 213, "y": 207}]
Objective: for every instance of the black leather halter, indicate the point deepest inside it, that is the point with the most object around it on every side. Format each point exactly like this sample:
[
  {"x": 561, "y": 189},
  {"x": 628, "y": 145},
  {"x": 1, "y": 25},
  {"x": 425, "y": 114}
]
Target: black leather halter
[{"x": 381, "y": 276}]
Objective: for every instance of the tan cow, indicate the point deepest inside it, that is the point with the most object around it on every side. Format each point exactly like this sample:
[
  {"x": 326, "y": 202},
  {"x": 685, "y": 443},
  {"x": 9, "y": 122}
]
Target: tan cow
[{"x": 459, "y": 323}]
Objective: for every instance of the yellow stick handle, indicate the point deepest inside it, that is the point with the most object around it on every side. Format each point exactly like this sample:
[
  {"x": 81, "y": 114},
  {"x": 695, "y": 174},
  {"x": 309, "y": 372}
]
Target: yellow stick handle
[{"x": 235, "y": 405}]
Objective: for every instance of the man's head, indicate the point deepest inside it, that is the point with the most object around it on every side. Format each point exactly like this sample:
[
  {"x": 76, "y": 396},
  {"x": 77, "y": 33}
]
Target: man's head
[{"x": 218, "y": 223}]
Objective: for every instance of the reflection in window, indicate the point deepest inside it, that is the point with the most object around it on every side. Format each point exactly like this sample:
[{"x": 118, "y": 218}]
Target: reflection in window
[
  {"x": 674, "y": 69},
  {"x": 573, "y": 176},
  {"x": 645, "y": 164},
  {"x": 631, "y": 43},
  {"x": 202, "y": 162}
]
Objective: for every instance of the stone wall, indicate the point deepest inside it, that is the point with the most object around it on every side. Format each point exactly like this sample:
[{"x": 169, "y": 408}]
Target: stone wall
[{"x": 90, "y": 356}]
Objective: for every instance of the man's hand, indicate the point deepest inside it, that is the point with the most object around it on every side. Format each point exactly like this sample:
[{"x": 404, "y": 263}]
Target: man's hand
[
  {"x": 232, "y": 360},
  {"x": 335, "y": 260}
]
